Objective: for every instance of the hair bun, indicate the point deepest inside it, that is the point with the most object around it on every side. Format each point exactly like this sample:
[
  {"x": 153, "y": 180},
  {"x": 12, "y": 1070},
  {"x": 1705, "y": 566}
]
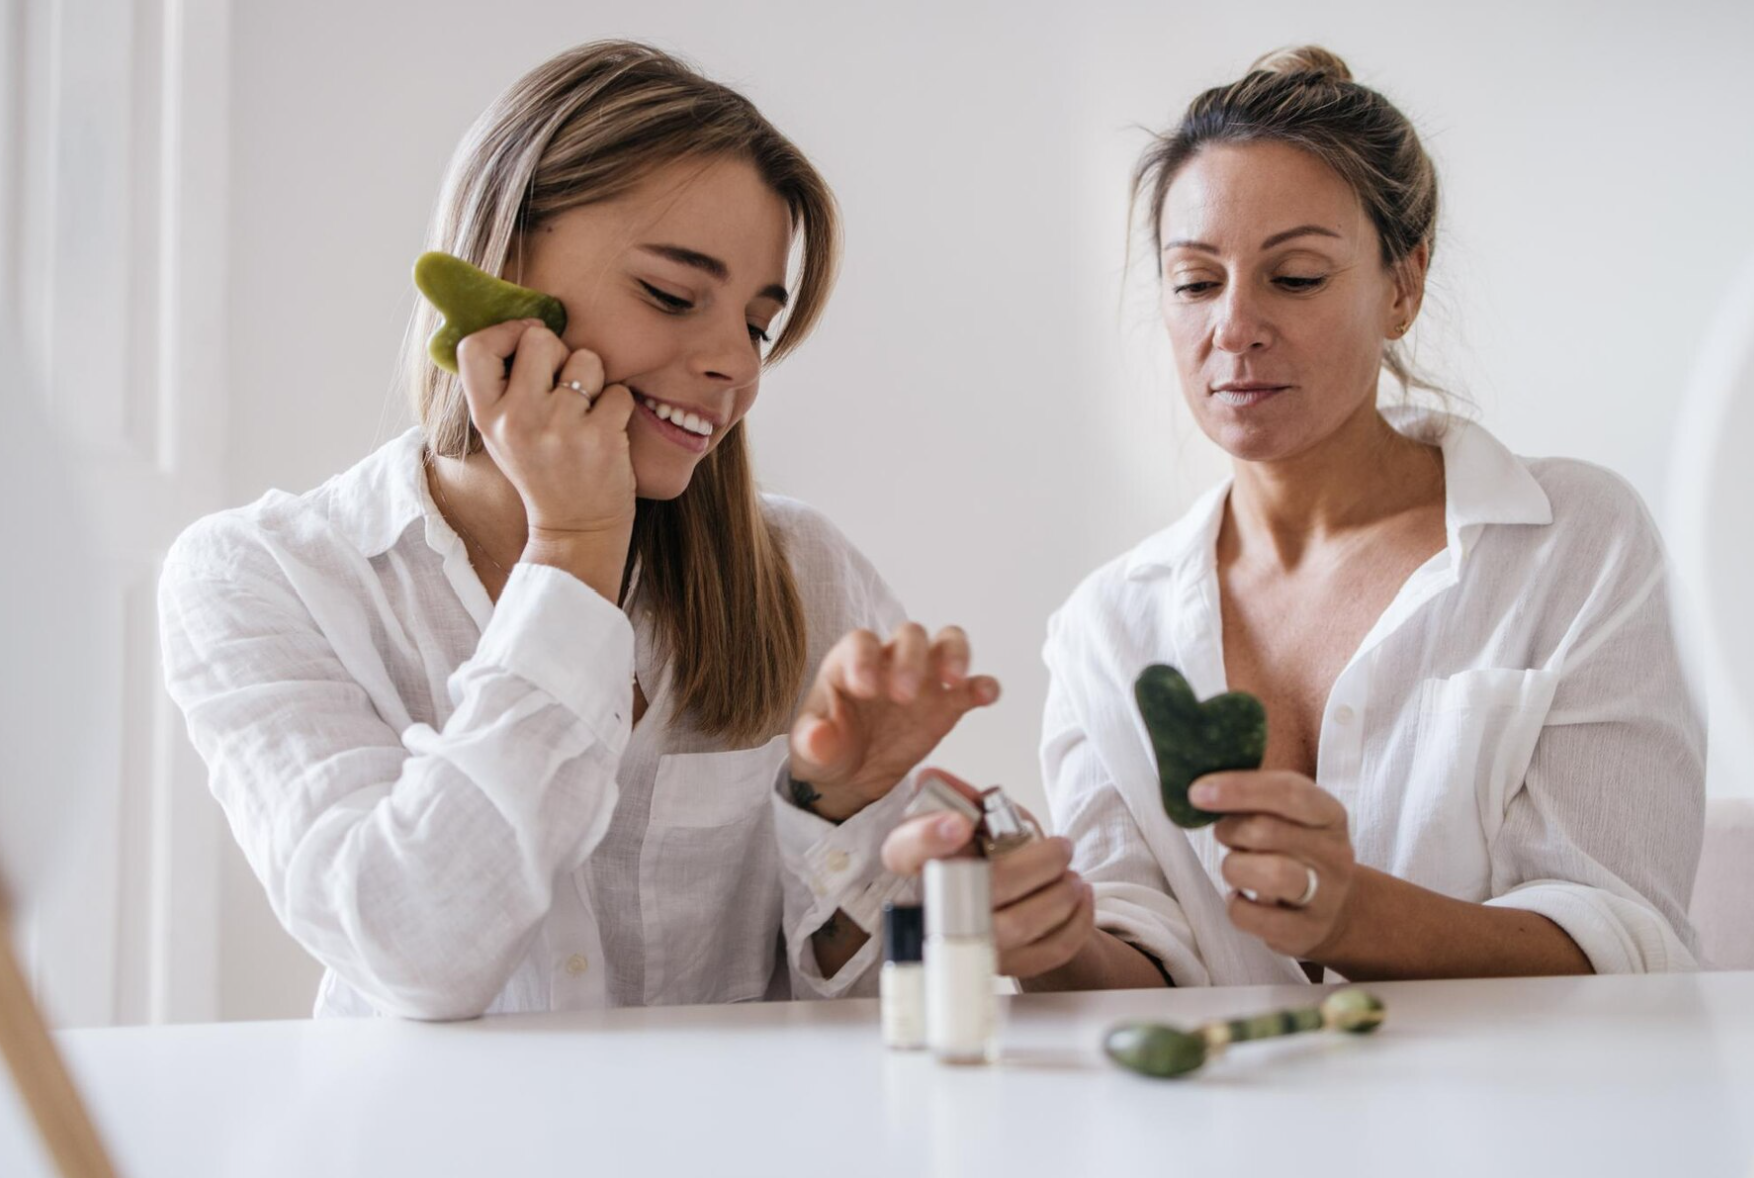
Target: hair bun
[{"x": 1303, "y": 59}]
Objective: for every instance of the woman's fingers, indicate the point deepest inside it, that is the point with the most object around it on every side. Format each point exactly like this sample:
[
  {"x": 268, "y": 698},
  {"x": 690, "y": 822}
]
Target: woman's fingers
[
  {"x": 978, "y": 692},
  {"x": 481, "y": 358},
  {"x": 611, "y": 410},
  {"x": 1030, "y": 868},
  {"x": 539, "y": 358},
  {"x": 907, "y": 651},
  {"x": 1291, "y": 796},
  {"x": 1058, "y": 945},
  {"x": 854, "y": 667},
  {"x": 585, "y": 369},
  {"x": 1272, "y": 879},
  {"x": 1262, "y": 832},
  {"x": 911, "y": 845},
  {"x": 1033, "y": 917},
  {"x": 950, "y": 656}
]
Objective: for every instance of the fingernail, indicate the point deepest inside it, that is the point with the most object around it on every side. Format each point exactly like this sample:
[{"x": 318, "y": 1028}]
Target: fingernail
[
  {"x": 951, "y": 826},
  {"x": 1203, "y": 793}
]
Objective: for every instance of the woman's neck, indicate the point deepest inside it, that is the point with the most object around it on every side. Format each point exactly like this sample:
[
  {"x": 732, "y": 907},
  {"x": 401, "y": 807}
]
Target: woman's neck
[
  {"x": 482, "y": 506},
  {"x": 1363, "y": 473}
]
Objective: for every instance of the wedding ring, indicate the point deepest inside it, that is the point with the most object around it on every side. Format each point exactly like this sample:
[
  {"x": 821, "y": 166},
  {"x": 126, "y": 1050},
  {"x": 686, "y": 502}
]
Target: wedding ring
[
  {"x": 1309, "y": 893},
  {"x": 578, "y": 386}
]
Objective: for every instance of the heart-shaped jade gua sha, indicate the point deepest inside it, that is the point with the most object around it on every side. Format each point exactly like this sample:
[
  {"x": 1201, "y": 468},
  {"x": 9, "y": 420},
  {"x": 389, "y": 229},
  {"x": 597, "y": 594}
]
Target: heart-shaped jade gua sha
[
  {"x": 471, "y": 299},
  {"x": 1192, "y": 739}
]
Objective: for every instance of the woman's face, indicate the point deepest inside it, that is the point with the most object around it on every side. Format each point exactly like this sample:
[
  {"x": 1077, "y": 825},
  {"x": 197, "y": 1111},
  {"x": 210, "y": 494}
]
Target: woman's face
[
  {"x": 674, "y": 285},
  {"x": 1275, "y": 297}
]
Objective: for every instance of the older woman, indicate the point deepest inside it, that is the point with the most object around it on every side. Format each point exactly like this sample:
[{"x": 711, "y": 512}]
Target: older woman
[{"x": 1482, "y": 757}]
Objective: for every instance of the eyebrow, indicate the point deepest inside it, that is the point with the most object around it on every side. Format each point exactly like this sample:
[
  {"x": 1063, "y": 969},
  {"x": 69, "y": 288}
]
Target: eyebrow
[
  {"x": 1276, "y": 239},
  {"x": 710, "y": 265}
]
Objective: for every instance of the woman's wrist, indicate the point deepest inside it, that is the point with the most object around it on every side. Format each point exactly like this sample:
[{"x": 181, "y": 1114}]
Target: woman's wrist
[
  {"x": 597, "y": 558},
  {"x": 835, "y": 803},
  {"x": 1103, "y": 962}
]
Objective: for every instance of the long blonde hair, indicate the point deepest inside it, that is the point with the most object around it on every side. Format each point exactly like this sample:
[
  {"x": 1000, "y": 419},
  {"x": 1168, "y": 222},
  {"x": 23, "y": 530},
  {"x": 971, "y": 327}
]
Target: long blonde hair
[{"x": 585, "y": 127}]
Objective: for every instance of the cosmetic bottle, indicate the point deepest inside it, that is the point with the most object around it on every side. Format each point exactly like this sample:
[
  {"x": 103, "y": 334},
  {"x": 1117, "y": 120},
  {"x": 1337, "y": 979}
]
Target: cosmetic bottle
[
  {"x": 1003, "y": 827},
  {"x": 901, "y": 985},
  {"x": 962, "y": 1010}
]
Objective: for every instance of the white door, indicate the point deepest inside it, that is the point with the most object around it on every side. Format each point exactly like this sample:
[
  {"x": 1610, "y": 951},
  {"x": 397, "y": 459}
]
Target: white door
[{"x": 112, "y": 232}]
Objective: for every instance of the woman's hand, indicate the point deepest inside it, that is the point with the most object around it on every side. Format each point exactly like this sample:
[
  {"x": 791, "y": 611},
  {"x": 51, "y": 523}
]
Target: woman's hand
[
  {"x": 1280, "y": 826},
  {"x": 1043, "y": 911},
  {"x": 877, "y": 709},
  {"x": 565, "y": 452}
]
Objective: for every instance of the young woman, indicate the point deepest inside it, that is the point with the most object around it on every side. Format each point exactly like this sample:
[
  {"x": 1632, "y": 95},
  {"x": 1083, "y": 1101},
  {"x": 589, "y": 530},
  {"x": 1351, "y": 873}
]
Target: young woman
[
  {"x": 500, "y": 716},
  {"x": 1482, "y": 757}
]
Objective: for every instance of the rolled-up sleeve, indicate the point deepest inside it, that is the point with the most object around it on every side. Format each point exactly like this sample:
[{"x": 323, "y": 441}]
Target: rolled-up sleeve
[
  {"x": 829, "y": 867},
  {"x": 826, "y": 866},
  {"x": 1133, "y": 898},
  {"x": 416, "y": 864},
  {"x": 1603, "y": 838}
]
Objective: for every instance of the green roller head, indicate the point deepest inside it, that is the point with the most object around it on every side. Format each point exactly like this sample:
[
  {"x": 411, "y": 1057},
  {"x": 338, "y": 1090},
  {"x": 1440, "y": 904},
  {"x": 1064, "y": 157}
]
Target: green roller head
[
  {"x": 471, "y": 299},
  {"x": 1152, "y": 1049},
  {"x": 1192, "y": 739},
  {"x": 1352, "y": 1010}
]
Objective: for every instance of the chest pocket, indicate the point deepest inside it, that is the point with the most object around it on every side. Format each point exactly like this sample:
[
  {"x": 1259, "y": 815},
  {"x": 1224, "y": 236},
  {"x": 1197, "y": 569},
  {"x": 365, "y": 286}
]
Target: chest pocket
[
  {"x": 1477, "y": 734},
  {"x": 709, "y": 876}
]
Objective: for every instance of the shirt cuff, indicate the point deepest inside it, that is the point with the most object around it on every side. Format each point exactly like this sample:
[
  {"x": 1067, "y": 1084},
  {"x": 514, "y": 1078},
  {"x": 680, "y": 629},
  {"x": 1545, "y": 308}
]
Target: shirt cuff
[
  {"x": 559, "y": 634},
  {"x": 1618, "y": 935},
  {"x": 842, "y": 866},
  {"x": 1153, "y": 923}
]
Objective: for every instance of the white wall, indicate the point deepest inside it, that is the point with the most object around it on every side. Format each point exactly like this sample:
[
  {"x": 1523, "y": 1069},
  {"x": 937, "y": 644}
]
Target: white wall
[{"x": 979, "y": 412}]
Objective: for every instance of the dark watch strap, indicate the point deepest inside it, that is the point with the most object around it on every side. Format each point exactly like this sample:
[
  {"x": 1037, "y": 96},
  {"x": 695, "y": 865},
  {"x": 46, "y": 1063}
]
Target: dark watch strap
[{"x": 805, "y": 796}]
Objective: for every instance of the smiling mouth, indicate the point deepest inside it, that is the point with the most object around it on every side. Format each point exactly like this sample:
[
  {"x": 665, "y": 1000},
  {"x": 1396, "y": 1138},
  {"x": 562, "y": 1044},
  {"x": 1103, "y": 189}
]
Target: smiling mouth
[{"x": 682, "y": 419}]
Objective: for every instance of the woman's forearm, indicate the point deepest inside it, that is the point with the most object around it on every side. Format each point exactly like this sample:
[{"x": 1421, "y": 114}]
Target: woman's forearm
[
  {"x": 1105, "y": 963},
  {"x": 1398, "y": 930}
]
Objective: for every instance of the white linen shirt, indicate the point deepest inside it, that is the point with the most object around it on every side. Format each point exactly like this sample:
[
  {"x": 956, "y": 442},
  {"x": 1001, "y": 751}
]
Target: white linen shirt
[
  {"x": 1515, "y": 730},
  {"x": 445, "y": 797}
]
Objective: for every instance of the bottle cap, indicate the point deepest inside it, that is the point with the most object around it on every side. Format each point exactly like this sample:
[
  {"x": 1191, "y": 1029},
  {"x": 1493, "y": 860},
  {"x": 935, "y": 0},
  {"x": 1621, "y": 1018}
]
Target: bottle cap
[
  {"x": 904, "y": 930},
  {"x": 959, "y": 898},
  {"x": 1003, "y": 827}
]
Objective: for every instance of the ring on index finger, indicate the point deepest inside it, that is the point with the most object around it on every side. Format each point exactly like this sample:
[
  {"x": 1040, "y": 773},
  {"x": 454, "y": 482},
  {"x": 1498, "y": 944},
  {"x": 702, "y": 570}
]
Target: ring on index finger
[{"x": 578, "y": 386}]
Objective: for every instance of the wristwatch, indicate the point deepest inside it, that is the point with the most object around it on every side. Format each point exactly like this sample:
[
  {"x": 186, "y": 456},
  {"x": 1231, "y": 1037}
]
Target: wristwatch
[{"x": 805, "y": 796}]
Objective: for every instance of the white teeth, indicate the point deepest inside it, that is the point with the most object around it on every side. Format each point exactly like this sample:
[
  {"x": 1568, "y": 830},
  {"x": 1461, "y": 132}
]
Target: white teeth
[{"x": 681, "y": 418}]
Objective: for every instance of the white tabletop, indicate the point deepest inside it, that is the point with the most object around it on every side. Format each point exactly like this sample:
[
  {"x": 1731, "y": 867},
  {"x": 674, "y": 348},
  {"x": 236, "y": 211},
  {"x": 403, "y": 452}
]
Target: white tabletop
[{"x": 1551, "y": 1076}]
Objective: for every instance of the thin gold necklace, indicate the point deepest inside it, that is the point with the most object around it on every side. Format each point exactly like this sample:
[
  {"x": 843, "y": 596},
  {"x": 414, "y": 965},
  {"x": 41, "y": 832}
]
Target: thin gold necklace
[{"x": 451, "y": 516}]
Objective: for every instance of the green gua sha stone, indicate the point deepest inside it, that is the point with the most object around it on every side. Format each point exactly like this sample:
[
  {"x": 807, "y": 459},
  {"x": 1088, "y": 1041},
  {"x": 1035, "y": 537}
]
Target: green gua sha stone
[
  {"x": 471, "y": 299},
  {"x": 1152, "y": 1049},
  {"x": 1192, "y": 739}
]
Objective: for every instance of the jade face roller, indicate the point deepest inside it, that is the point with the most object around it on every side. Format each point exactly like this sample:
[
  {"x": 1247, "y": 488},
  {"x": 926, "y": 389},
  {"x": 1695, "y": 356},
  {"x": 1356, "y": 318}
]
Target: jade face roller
[{"x": 1152, "y": 1049}]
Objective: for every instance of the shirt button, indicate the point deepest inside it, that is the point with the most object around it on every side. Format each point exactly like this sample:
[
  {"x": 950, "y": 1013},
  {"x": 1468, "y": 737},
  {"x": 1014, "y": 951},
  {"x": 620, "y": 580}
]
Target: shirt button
[
  {"x": 838, "y": 860},
  {"x": 1344, "y": 715},
  {"x": 576, "y": 964}
]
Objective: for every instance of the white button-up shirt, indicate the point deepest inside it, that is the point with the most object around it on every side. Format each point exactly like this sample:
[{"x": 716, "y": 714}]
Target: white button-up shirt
[
  {"x": 445, "y": 797},
  {"x": 1515, "y": 730}
]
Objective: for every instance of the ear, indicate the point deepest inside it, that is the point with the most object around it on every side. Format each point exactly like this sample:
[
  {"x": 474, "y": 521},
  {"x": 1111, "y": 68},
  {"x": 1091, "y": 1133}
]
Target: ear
[{"x": 1409, "y": 279}]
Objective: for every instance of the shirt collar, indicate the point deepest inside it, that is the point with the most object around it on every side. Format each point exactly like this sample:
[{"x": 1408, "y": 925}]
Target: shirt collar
[
  {"x": 1484, "y": 483},
  {"x": 377, "y": 500}
]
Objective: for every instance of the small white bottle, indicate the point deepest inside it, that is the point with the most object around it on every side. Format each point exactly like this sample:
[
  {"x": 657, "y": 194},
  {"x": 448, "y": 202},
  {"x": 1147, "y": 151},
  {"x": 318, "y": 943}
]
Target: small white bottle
[
  {"x": 902, "y": 984},
  {"x": 962, "y": 1009}
]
